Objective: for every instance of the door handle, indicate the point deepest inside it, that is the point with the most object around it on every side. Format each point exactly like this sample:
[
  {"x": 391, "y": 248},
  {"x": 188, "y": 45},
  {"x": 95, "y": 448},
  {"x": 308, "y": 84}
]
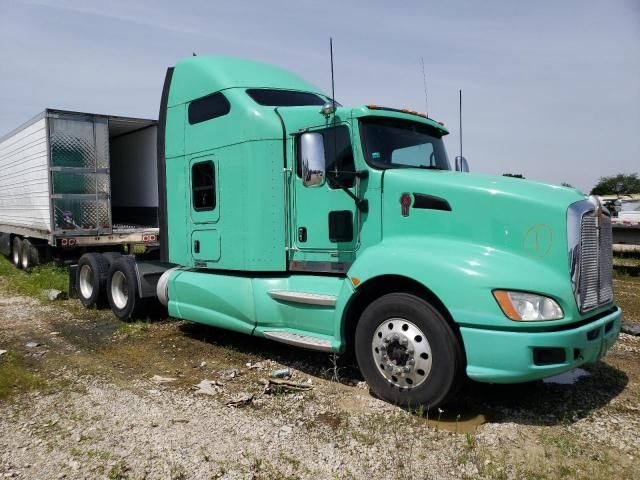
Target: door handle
[{"x": 196, "y": 246}]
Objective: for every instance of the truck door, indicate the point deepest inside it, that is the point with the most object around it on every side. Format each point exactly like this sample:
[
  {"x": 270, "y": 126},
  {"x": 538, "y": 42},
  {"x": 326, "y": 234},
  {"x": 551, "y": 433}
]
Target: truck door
[
  {"x": 204, "y": 211},
  {"x": 324, "y": 217}
]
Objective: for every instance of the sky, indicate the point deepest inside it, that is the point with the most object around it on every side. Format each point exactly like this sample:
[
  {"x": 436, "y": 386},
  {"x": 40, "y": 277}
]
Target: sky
[{"x": 551, "y": 89}]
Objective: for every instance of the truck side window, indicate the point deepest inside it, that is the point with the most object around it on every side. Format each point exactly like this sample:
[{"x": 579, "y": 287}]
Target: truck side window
[
  {"x": 207, "y": 108},
  {"x": 284, "y": 98},
  {"x": 203, "y": 185},
  {"x": 338, "y": 153}
]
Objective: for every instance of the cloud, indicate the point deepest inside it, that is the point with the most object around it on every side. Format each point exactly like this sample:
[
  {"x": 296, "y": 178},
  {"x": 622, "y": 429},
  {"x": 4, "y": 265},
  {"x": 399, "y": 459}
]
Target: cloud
[{"x": 551, "y": 89}]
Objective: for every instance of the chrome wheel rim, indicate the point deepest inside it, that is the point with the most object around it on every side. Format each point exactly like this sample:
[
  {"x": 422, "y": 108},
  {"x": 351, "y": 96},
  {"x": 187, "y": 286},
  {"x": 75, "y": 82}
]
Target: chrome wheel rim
[
  {"x": 25, "y": 258},
  {"x": 401, "y": 353},
  {"x": 86, "y": 286},
  {"x": 119, "y": 290},
  {"x": 16, "y": 256}
]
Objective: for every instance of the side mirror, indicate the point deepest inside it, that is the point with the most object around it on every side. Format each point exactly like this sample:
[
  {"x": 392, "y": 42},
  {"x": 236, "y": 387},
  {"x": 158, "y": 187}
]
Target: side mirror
[
  {"x": 312, "y": 159},
  {"x": 461, "y": 164}
]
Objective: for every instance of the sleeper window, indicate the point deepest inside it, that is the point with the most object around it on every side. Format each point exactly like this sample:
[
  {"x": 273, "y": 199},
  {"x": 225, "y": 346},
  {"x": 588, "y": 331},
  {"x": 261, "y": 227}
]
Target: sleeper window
[
  {"x": 203, "y": 185},
  {"x": 209, "y": 107}
]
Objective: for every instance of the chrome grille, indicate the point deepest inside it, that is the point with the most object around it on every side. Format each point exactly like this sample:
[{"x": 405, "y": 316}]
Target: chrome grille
[
  {"x": 606, "y": 260},
  {"x": 590, "y": 254},
  {"x": 589, "y": 271}
]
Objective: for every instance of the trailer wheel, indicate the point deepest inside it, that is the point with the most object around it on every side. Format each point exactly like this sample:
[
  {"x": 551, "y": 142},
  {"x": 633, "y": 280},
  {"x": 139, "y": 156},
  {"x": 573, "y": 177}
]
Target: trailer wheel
[
  {"x": 30, "y": 255},
  {"x": 16, "y": 252},
  {"x": 92, "y": 275},
  {"x": 122, "y": 290},
  {"x": 407, "y": 352}
]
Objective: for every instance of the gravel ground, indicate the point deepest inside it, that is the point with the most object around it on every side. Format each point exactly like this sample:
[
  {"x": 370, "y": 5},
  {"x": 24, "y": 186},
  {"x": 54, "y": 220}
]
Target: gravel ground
[{"x": 111, "y": 400}]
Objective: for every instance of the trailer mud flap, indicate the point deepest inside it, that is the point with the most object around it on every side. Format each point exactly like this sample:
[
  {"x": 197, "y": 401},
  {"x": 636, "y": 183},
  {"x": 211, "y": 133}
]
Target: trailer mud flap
[{"x": 73, "y": 281}]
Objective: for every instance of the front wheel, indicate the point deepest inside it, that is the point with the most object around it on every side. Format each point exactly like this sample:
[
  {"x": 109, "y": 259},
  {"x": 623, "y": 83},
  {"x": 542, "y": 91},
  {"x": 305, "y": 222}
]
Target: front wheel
[{"x": 407, "y": 352}]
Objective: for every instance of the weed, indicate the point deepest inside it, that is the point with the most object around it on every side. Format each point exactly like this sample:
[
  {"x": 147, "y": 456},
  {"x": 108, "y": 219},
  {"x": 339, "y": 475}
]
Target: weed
[
  {"x": 565, "y": 443},
  {"x": 467, "y": 449},
  {"x": 134, "y": 329},
  {"x": 14, "y": 377},
  {"x": 363, "y": 437},
  {"x": 403, "y": 458},
  {"x": 118, "y": 471}
]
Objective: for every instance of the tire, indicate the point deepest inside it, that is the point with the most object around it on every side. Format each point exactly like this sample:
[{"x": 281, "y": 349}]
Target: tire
[
  {"x": 30, "y": 255},
  {"x": 122, "y": 290},
  {"x": 92, "y": 278},
  {"x": 16, "y": 252},
  {"x": 111, "y": 257},
  {"x": 407, "y": 352}
]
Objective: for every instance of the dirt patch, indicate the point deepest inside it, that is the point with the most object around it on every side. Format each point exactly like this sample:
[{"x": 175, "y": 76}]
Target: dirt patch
[
  {"x": 627, "y": 292},
  {"x": 114, "y": 400}
]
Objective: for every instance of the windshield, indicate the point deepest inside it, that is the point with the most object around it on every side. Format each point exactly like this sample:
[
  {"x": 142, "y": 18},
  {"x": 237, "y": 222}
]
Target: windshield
[{"x": 392, "y": 143}]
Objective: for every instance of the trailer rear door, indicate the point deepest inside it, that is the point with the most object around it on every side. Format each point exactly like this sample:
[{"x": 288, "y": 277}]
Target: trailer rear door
[{"x": 79, "y": 164}]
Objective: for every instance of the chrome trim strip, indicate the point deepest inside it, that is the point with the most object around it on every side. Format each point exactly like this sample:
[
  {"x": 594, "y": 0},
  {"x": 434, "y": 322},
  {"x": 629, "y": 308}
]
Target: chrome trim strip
[
  {"x": 303, "y": 297},
  {"x": 304, "y": 341},
  {"x": 319, "y": 267}
]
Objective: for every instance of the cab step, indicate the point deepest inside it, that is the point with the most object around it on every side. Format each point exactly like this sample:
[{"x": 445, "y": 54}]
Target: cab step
[
  {"x": 298, "y": 340},
  {"x": 302, "y": 297}
]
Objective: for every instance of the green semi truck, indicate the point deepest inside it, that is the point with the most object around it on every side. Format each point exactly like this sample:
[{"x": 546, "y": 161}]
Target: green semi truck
[{"x": 285, "y": 215}]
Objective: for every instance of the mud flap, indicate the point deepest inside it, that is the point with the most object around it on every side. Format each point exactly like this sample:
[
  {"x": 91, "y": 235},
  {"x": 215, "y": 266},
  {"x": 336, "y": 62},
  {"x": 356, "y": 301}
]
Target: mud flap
[{"x": 73, "y": 281}]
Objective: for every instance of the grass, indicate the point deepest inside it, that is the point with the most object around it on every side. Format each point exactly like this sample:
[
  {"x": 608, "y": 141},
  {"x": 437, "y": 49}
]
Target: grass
[
  {"x": 134, "y": 329},
  {"x": 14, "y": 378},
  {"x": 42, "y": 277},
  {"x": 118, "y": 471}
]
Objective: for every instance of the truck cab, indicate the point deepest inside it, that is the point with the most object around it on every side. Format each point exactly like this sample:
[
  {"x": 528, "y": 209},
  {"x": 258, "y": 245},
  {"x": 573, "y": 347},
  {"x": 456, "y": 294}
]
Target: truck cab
[{"x": 288, "y": 216}]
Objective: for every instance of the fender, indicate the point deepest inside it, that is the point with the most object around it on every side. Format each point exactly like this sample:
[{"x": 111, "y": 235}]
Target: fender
[{"x": 462, "y": 275}]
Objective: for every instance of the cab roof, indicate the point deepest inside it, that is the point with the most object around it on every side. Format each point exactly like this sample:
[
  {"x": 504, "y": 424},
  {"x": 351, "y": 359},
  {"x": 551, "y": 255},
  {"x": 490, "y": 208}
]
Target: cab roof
[
  {"x": 195, "y": 77},
  {"x": 376, "y": 111}
]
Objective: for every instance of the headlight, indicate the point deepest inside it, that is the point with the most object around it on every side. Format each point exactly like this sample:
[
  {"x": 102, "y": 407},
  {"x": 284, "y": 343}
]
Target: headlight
[{"x": 527, "y": 307}]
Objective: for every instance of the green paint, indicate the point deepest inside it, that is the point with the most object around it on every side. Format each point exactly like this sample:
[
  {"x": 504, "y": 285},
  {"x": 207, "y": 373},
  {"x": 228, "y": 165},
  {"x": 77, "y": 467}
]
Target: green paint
[{"x": 500, "y": 233}]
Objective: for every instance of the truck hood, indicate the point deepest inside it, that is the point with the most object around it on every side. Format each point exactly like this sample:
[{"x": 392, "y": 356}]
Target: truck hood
[{"x": 495, "y": 212}]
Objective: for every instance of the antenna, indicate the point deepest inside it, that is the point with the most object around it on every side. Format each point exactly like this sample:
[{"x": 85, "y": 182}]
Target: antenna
[
  {"x": 333, "y": 89},
  {"x": 333, "y": 102},
  {"x": 424, "y": 80},
  {"x": 460, "y": 115}
]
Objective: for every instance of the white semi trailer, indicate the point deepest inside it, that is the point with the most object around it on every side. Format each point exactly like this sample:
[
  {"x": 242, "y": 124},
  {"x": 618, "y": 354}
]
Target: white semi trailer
[{"x": 76, "y": 182}]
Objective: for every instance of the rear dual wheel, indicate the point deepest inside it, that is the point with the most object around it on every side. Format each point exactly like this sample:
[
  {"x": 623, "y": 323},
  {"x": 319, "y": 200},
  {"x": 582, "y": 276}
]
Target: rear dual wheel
[
  {"x": 16, "y": 252},
  {"x": 93, "y": 271},
  {"x": 122, "y": 290},
  {"x": 92, "y": 276},
  {"x": 30, "y": 255},
  {"x": 24, "y": 254},
  {"x": 407, "y": 352}
]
